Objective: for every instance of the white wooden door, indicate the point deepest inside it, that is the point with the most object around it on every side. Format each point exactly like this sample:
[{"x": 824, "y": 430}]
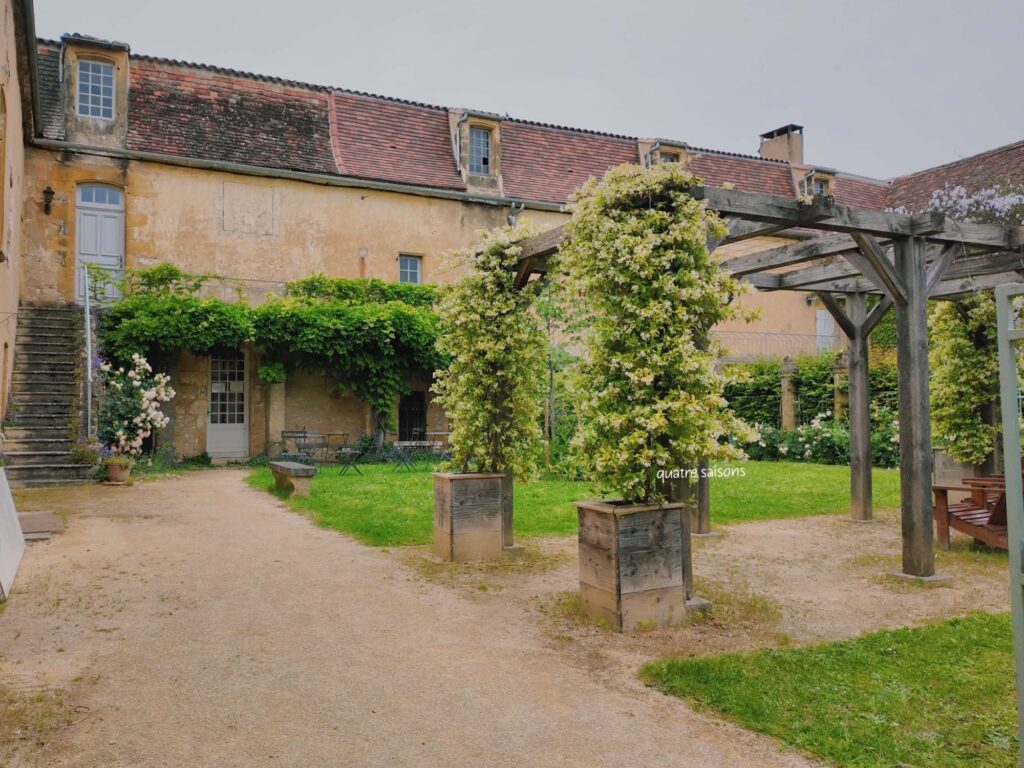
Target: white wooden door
[
  {"x": 99, "y": 239},
  {"x": 825, "y": 330},
  {"x": 227, "y": 429}
]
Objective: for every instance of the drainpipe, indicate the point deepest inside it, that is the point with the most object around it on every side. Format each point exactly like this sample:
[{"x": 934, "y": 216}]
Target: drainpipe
[
  {"x": 650, "y": 154},
  {"x": 514, "y": 212},
  {"x": 458, "y": 141}
]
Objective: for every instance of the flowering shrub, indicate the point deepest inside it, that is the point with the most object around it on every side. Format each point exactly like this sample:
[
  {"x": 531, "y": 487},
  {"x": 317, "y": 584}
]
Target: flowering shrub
[
  {"x": 643, "y": 295},
  {"x": 826, "y": 441},
  {"x": 130, "y": 411},
  {"x": 962, "y": 355},
  {"x": 885, "y": 436},
  {"x": 493, "y": 388}
]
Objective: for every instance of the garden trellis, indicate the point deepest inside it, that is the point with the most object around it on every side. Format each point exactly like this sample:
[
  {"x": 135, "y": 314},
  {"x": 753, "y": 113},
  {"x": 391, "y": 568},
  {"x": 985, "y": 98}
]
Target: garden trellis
[{"x": 845, "y": 255}]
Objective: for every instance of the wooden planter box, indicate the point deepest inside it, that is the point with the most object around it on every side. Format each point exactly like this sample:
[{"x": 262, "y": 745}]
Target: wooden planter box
[
  {"x": 632, "y": 562},
  {"x": 467, "y": 516}
]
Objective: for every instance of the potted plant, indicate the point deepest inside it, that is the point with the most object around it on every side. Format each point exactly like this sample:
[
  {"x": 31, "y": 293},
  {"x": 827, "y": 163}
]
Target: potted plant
[
  {"x": 130, "y": 413},
  {"x": 648, "y": 389},
  {"x": 492, "y": 392},
  {"x": 118, "y": 468}
]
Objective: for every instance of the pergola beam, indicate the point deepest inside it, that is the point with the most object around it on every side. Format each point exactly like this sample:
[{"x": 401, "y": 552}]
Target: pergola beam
[
  {"x": 875, "y": 265},
  {"x": 821, "y": 213},
  {"x": 787, "y": 255}
]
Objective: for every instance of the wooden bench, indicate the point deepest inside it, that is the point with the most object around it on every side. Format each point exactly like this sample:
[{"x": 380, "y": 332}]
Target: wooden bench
[
  {"x": 293, "y": 477},
  {"x": 982, "y": 516}
]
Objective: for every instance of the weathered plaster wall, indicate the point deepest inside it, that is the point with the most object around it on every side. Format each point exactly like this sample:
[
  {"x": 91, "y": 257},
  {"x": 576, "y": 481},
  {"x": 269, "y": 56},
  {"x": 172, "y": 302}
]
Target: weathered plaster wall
[
  {"x": 269, "y": 231},
  {"x": 310, "y": 404},
  {"x": 48, "y": 275},
  {"x": 12, "y": 190}
]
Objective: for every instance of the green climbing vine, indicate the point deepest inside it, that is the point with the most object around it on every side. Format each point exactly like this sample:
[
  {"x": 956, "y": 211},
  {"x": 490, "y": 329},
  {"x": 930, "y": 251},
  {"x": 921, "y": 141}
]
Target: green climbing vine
[{"x": 368, "y": 336}]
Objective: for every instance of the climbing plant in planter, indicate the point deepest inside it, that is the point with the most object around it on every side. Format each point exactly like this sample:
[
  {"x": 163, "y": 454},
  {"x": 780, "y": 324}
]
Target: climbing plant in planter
[
  {"x": 492, "y": 391},
  {"x": 648, "y": 390}
]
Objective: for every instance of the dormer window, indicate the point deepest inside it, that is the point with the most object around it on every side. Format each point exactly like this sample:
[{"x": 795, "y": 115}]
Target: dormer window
[
  {"x": 480, "y": 151},
  {"x": 95, "y": 89},
  {"x": 815, "y": 183},
  {"x": 669, "y": 157}
]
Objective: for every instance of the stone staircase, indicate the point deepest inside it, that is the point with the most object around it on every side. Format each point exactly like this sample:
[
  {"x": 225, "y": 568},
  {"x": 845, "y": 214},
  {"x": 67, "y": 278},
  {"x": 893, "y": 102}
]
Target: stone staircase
[{"x": 45, "y": 400}]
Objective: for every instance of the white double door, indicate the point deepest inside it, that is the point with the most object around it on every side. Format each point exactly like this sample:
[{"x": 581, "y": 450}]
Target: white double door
[
  {"x": 99, "y": 241},
  {"x": 227, "y": 429}
]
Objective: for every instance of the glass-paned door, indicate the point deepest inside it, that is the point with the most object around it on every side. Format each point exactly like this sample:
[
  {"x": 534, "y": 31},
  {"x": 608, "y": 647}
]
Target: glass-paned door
[
  {"x": 227, "y": 432},
  {"x": 412, "y": 416}
]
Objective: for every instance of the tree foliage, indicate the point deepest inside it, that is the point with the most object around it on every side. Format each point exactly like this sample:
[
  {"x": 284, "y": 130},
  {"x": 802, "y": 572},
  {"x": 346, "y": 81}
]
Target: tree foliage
[
  {"x": 644, "y": 293},
  {"x": 963, "y": 357},
  {"x": 368, "y": 346},
  {"x": 493, "y": 386}
]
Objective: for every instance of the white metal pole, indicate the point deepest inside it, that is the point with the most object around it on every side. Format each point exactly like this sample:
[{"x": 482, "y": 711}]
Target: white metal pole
[
  {"x": 1008, "y": 336},
  {"x": 88, "y": 354}
]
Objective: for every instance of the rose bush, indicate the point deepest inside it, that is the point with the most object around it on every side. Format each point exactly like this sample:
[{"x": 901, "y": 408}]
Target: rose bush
[{"x": 131, "y": 408}]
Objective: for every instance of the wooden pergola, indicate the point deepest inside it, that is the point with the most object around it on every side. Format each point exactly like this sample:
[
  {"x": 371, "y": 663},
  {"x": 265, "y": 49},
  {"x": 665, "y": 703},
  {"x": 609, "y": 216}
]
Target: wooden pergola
[{"x": 843, "y": 256}]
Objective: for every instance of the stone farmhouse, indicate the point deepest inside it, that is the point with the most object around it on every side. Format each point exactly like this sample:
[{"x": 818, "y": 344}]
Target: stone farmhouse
[{"x": 125, "y": 161}]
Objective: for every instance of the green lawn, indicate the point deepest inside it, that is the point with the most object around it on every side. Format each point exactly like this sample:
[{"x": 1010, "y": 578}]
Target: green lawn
[
  {"x": 940, "y": 696},
  {"x": 387, "y": 508}
]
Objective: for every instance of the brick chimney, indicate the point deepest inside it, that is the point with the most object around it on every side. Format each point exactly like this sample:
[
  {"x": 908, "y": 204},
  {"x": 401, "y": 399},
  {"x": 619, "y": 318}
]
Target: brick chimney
[{"x": 785, "y": 143}]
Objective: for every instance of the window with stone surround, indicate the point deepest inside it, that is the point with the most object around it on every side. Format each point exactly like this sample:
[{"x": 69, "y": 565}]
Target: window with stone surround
[
  {"x": 480, "y": 150},
  {"x": 410, "y": 269},
  {"x": 95, "y": 89}
]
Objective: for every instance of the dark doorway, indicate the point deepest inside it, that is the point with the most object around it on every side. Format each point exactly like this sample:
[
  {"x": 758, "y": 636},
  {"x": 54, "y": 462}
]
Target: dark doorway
[{"x": 412, "y": 416}]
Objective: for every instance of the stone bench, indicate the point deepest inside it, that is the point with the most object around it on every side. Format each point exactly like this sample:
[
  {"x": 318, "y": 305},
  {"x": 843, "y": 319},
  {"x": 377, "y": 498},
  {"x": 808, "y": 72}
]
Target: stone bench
[{"x": 293, "y": 477}]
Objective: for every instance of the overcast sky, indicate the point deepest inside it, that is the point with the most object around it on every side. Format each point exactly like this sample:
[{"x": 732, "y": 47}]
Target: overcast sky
[{"x": 883, "y": 87}]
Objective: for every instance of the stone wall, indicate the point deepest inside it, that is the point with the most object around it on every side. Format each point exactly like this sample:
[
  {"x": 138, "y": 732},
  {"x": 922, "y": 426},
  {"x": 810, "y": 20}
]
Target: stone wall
[{"x": 12, "y": 194}]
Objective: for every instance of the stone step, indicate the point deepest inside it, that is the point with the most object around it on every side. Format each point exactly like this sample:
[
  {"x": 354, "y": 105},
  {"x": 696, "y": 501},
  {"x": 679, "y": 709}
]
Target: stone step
[
  {"x": 55, "y": 355},
  {"x": 55, "y": 310},
  {"x": 28, "y": 472},
  {"x": 28, "y": 394},
  {"x": 30, "y": 444},
  {"x": 52, "y": 344},
  {"x": 44, "y": 367},
  {"x": 44, "y": 326},
  {"x": 36, "y": 432},
  {"x": 26, "y": 458},
  {"x": 50, "y": 482},
  {"x": 28, "y": 378},
  {"x": 29, "y": 420},
  {"x": 40, "y": 408}
]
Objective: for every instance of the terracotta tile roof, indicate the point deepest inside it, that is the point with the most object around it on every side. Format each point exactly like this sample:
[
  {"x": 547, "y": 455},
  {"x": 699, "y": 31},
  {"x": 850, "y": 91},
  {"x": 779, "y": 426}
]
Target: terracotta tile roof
[
  {"x": 860, "y": 192},
  {"x": 1001, "y": 164},
  {"x": 203, "y": 114},
  {"x": 52, "y": 117},
  {"x": 207, "y": 112},
  {"x": 549, "y": 164},
  {"x": 392, "y": 141},
  {"x": 747, "y": 174}
]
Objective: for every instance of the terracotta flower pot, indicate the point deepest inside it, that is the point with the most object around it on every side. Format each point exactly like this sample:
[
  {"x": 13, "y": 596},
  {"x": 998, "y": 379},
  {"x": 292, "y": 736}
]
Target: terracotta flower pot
[{"x": 117, "y": 472}]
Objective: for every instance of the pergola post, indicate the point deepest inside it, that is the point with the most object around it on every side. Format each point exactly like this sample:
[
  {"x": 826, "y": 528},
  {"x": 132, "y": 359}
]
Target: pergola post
[
  {"x": 915, "y": 427},
  {"x": 859, "y": 407},
  {"x": 856, "y": 326}
]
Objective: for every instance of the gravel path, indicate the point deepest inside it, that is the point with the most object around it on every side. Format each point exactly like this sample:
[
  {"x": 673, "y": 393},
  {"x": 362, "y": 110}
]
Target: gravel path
[{"x": 195, "y": 621}]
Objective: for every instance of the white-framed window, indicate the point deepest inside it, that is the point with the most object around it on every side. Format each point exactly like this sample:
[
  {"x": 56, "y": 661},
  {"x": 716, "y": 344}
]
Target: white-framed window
[
  {"x": 479, "y": 150},
  {"x": 95, "y": 89},
  {"x": 669, "y": 157},
  {"x": 410, "y": 269},
  {"x": 100, "y": 195}
]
